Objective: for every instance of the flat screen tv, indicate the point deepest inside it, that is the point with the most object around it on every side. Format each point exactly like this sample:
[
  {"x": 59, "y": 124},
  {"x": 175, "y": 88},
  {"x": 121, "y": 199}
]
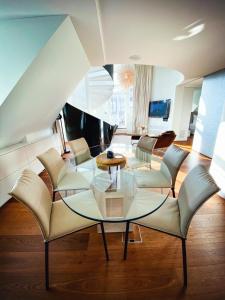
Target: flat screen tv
[{"x": 159, "y": 109}]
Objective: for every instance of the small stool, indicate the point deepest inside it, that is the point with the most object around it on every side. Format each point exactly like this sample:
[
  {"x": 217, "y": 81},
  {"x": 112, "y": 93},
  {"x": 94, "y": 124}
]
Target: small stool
[{"x": 105, "y": 163}]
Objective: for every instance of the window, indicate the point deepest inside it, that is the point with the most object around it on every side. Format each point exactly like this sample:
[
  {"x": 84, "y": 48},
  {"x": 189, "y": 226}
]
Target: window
[{"x": 121, "y": 102}]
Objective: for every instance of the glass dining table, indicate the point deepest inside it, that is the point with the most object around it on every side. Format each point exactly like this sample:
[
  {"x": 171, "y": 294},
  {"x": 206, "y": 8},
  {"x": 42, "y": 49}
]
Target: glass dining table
[{"x": 114, "y": 197}]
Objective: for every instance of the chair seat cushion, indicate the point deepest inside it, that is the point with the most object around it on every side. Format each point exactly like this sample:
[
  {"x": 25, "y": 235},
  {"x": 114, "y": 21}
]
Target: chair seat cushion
[
  {"x": 151, "y": 178},
  {"x": 166, "y": 218},
  {"x": 88, "y": 164},
  {"x": 64, "y": 221},
  {"x": 134, "y": 163},
  {"x": 73, "y": 180}
]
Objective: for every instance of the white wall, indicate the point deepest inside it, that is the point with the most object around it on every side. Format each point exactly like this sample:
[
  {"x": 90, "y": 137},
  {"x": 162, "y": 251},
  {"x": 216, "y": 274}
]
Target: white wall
[
  {"x": 209, "y": 136},
  {"x": 182, "y": 112},
  {"x": 217, "y": 168},
  {"x": 40, "y": 94},
  {"x": 164, "y": 82},
  {"x": 196, "y": 98},
  {"x": 21, "y": 40},
  {"x": 210, "y": 113}
]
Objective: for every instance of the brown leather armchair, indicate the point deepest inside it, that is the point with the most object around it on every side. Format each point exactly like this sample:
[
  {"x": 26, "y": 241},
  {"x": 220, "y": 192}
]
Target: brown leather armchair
[{"x": 165, "y": 139}]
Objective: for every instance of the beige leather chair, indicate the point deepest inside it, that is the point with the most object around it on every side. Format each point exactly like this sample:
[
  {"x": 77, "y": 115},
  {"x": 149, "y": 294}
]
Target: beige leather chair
[
  {"x": 54, "y": 218},
  {"x": 62, "y": 177},
  {"x": 175, "y": 215},
  {"x": 143, "y": 152},
  {"x": 166, "y": 176},
  {"x": 81, "y": 150}
]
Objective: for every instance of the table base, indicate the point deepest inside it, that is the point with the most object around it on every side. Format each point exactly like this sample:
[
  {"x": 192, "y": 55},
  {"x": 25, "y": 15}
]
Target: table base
[{"x": 114, "y": 227}]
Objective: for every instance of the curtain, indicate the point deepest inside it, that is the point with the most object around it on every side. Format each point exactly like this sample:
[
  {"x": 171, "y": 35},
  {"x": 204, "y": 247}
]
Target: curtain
[{"x": 142, "y": 94}]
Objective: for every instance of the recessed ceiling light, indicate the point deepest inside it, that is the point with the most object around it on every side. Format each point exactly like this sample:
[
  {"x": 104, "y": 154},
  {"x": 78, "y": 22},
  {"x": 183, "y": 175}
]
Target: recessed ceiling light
[{"x": 135, "y": 57}]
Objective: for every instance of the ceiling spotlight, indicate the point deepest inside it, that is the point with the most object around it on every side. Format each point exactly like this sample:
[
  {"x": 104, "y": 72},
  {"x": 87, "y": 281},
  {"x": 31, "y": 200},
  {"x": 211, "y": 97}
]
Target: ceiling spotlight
[{"x": 135, "y": 57}]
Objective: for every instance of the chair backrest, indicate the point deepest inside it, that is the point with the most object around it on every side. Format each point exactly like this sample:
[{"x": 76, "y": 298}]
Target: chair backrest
[
  {"x": 146, "y": 143},
  {"x": 165, "y": 139},
  {"x": 197, "y": 187},
  {"x": 173, "y": 158},
  {"x": 54, "y": 164},
  {"x": 144, "y": 148},
  {"x": 33, "y": 193},
  {"x": 80, "y": 150}
]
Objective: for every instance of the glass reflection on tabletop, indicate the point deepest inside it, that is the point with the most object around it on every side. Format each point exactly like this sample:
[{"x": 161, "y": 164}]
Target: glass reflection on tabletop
[
  {"x": 115, "y": 197},
  {"x": 114, "y": 193}
]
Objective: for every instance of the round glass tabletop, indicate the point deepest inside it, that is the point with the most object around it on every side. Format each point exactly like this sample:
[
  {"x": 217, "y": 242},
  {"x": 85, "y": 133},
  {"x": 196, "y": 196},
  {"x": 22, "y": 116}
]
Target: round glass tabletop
[{"x": 122, "y": 195}]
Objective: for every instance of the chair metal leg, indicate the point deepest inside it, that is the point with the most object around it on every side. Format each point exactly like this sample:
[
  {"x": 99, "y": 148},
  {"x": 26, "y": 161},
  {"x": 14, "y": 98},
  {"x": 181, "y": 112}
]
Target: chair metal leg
[
  {"x": 46, "y": 267},
  {"x": 184, "y": 255},
  {"x": 173, "y": 191},
  {"x": 104, "y": 241},
  {"x": 126, "y": 240},
  {"x": 53, "y": 196}
]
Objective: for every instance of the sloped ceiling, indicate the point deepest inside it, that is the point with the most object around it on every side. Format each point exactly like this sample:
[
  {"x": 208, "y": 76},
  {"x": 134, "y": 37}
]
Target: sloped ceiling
[
  {"x": 41, "y": 92},
  {"x": 113, "y": 30},
  {"x": 18, "y": 47},
  {"x": 83, "y": 14}
]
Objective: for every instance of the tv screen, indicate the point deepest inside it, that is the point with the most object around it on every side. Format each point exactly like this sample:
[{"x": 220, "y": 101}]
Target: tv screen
[{"x": 159, "y": 109}]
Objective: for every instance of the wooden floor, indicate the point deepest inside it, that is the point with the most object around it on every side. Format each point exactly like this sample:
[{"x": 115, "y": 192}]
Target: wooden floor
[{"x": 78, "y": 269}]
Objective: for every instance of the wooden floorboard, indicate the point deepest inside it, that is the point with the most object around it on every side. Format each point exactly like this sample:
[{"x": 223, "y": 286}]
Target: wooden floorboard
[{"x": 78, "y": 269}]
